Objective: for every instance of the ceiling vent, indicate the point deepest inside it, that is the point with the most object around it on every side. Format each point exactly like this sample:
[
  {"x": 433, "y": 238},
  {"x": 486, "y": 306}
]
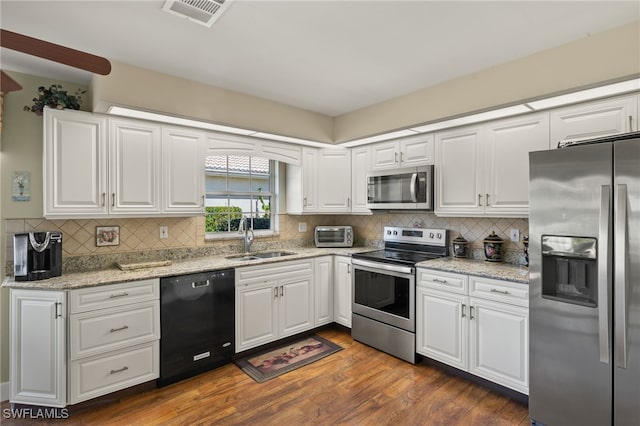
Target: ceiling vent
[{"x": 204, "y": 12}]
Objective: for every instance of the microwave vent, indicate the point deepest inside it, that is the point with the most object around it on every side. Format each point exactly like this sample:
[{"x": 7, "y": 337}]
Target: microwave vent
[{"x": 203, "y": 12}]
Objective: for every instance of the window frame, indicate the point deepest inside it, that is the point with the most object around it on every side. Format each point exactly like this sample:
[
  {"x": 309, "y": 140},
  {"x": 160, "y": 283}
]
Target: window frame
[{"x": 252, "y": 195}]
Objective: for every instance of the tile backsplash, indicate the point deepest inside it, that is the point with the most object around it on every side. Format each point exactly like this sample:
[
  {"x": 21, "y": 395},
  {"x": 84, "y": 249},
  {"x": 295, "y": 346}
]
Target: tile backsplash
[{"x": 140, "y": 238}]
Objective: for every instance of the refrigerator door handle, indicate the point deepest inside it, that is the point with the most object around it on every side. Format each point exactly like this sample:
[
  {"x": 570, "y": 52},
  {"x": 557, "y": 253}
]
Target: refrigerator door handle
[
  {"x": 620, "y": 229},
  {"x": 604, "y": 276}
]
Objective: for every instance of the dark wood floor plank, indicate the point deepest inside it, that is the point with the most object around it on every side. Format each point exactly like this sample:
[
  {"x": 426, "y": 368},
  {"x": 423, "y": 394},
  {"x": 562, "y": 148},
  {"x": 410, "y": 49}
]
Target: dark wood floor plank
[{"x": 356, "y": 386}]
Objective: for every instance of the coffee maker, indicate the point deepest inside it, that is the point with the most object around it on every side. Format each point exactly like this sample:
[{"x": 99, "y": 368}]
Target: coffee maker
[{"x": 37, "y": 255}]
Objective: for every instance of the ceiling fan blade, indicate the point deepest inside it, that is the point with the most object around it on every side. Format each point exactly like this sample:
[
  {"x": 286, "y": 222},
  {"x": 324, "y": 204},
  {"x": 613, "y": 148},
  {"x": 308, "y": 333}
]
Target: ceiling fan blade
[
  {"x": 54, "y": 52},
  {"x": 7, "y": 84}
]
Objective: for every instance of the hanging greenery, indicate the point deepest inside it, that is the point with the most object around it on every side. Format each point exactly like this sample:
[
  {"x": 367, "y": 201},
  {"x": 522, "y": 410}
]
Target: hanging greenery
[{"x": 55, "y": 97}]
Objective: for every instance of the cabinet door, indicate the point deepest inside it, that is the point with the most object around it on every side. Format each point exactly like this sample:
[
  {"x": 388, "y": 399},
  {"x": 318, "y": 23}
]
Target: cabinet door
[
  {"x": 342, "y": 291},
  {"x": 594, "y": 119},
  {"x": 459, "y": 172},
  {"x": 309, "y": 179},
  {"x": 75, "y": 164},
  {"x": 506, "y": 158},
  {"x": 323, "y": 290},
  {"x": 499, "y": 343},
  {"x": 256, "y": 315},
  {"x": 296, "y": 306},
  {"x": 360, "y": 165},
  {"x": 183, "y": 171},
  {"x": 334, "y": 180},
  {"x": 417, "y": 150},
  {"x": 38, "y": 367},
  {"x": 442, "y": 326},
  {"x": 134, "y": 168},
  {"x": 385, "y": 155}
]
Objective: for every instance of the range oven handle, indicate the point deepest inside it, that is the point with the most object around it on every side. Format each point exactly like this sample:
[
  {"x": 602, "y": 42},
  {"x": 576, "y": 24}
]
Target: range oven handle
[
  {"x": 413, "y": 188},
  {"x": 383, "y": 266}
]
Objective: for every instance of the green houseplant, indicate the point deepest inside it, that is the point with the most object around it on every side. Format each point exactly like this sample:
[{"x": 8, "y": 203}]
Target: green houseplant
[{"x": 55, "y": 97}]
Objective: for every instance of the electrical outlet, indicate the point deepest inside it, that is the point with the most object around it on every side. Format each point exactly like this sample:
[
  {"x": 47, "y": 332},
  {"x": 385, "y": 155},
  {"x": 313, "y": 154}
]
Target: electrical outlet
[
  {"x": 514, "y": 234},
  {"x": 302, "y": 227},
  {"x": 164, "y": 232}
]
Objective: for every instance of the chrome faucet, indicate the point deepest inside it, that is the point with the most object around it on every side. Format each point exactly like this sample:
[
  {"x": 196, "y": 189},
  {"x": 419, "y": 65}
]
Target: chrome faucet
[{"x": 248, "y": 234}]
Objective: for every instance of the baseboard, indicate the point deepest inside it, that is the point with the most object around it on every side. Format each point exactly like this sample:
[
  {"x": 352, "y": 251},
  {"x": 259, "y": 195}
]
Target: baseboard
[{"x": 4, "y": 391}]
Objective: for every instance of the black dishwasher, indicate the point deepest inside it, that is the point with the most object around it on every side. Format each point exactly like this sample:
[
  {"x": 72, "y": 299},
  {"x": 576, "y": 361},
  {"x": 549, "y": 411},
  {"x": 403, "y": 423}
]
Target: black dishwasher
[{"x": 197, "y": 319}]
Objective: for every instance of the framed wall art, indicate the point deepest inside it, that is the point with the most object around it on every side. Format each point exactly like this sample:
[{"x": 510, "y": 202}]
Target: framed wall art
[{"x": 107, "y": 236}]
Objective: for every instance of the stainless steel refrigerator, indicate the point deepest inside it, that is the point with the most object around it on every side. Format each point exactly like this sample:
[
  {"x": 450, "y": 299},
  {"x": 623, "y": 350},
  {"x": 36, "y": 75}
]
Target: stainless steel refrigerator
[{"x": 584, "y": 248}]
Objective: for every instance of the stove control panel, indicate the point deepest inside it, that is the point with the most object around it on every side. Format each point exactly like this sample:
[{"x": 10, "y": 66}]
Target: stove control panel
[{"x": 435, "y": 237}]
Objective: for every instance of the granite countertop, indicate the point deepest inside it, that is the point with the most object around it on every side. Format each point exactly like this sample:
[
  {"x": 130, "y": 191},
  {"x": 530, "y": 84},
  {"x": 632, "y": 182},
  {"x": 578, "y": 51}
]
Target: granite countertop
[
  {"x": 114, "y": 275},
  {"x": 479, "y": 268}
]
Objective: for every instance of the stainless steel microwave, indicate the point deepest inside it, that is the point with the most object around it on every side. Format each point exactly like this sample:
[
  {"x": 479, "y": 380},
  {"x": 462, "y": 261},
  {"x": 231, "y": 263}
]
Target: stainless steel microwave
[
  {"x": 334, "y": 236},
  {"x": 401, "y": 189}
]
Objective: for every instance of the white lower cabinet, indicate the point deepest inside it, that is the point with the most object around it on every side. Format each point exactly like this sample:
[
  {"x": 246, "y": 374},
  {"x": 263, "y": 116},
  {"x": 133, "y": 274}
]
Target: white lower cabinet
[
  {"x": 272, "y": 302},
  {"x": 38, "y": 364},
  {"x": 323, "y": 290},
  {"x": 342, "y": 291},
  {"x": 114, "y": 336},
  {"x": 480, "y": 326}
]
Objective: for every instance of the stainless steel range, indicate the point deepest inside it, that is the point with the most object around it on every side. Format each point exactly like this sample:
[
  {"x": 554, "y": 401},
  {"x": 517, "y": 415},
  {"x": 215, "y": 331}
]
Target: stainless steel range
[{"x": 384, "y": 289}]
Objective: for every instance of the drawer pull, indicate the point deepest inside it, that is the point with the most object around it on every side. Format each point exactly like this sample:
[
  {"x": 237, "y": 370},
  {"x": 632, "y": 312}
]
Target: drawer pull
[
  {"x": 120, "y": 370},
  {"x": 113, "y": 296},
  {"x": 495, "y": 290},
  {"x": 124, "y": 327},
  {"x": 438, "y": 280}
]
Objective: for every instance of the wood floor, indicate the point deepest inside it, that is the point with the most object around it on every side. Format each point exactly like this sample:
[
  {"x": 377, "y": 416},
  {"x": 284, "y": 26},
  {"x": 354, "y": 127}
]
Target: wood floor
[{"x": 356, "y": 386}]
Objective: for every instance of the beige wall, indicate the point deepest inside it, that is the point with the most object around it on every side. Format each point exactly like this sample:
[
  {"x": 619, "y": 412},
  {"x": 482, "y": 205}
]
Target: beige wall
[
  {"x": 602, "y": 57},
  {"x": 140, "y": 88}
]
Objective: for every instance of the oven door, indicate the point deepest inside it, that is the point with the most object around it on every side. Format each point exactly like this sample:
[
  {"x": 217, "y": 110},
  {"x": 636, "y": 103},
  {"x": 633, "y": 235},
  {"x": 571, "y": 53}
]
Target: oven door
[{"x": 384, "y": 292}]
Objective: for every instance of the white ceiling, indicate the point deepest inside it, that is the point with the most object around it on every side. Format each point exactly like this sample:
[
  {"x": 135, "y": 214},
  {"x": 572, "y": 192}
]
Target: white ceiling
[{"x": 328, "y": 56}]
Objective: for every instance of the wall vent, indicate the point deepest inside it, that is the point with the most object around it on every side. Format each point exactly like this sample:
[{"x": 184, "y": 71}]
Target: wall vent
[{"x": 204, "y": 12}]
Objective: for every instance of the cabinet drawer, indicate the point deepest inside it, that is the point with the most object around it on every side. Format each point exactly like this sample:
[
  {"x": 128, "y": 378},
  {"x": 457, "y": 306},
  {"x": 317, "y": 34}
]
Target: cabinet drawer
[
  {"x": 501, "y": 291},
  {"x": 444, "y": 281},
  {"x": 105, "y": 330},
  {"x": 103, "y": 374},
  {"x": 108, "y": 296},
  {"x": 273, "y": 272}
]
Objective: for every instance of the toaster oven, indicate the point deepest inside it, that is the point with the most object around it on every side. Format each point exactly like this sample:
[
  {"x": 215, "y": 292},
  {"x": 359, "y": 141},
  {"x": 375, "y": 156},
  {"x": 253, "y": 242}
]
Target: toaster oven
[{"x": 334, "y": 236}]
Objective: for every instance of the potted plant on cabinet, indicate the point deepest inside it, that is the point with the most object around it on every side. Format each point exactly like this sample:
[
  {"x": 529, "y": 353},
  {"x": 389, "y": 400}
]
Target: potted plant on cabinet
[{"x": 55, "y": 97}]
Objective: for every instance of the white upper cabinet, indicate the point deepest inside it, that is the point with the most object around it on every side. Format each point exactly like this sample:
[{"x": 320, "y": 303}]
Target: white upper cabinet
[
  {"x": 183, "y": 171},
  {"x": 406, "y": 152},
  {"x": 334, "y": 180},
  {"x": 483, "y": 170},
  {"x": 224, "y": 144},
  {"x": 322, "y": 184},
  {"x": 75, "y": 164},
  {"x": 134, "y": 168},
  {"x": 594, "y": 119},
  {"x": 360, "y": 166}
]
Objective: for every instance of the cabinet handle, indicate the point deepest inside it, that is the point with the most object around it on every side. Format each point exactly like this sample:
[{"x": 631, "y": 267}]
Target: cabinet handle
[
  {"x": 463, "y": 314},
  {"x": 401, "y": 156},
  {"x": 395, "y": 157},
  {"x": 113, "y": 199},
  {"x": 348, "y": 268},
  {"x": 471, "y": 312},
  {"x": 487, "y": 199},
  {"x": 203, "y": 201},
  {"x": 495, "y": 290},
  {"x": 113, "y": 296},
  {"x": 275, "y": 292},
  {"x": 103, "y": 198},
  {"x": 479, "y": 200},
  {"x": 281, "y": 291},
  {"x": 631, "y": 123},
  {"x": 438, "y": 280},
  {"x": 348, "y": 201},
  {"x": 124, "y": 327},
  {"x": 304, "y": 202},
  {"x": 58, "y": 312},
  {"x": 120, "y": 370}
]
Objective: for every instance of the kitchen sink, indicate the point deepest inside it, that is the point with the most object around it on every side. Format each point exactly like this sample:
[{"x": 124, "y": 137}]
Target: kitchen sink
[{"x": 263, "y": 255}]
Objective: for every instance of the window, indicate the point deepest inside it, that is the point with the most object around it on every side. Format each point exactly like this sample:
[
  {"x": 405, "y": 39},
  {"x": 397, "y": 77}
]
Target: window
[{"x": 237, "y": 187}]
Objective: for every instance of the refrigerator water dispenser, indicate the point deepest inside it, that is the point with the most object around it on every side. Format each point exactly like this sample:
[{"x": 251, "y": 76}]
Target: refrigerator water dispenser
[{"x": 570, "y": 270}]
